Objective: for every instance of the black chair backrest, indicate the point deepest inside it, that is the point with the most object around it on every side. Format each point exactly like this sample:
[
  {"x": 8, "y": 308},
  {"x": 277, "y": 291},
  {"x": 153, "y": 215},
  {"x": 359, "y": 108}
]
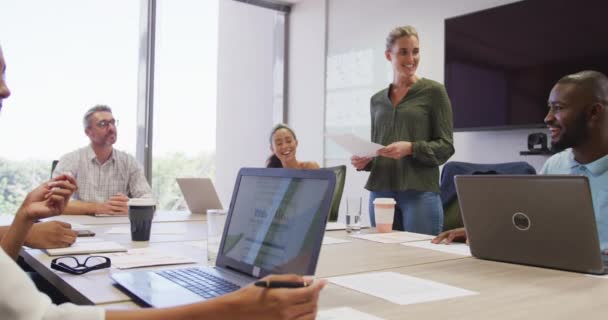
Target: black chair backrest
[
  {"x": 451, "y": 209},
  {"x": 340, "y": 172},
  {"x": 53, "y": 166}
]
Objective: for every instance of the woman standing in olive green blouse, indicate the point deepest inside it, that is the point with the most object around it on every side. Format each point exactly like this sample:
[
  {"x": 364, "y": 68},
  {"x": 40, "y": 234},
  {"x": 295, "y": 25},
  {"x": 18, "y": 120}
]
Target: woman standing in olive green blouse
[{"x": 413, "y": 119}]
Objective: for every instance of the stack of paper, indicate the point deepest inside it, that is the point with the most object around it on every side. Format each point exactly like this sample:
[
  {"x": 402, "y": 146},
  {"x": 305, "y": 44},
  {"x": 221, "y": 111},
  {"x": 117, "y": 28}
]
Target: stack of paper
[
  {"x": 145, "y": 257},
  {"x": 78, "y": 226},
  {"x": 332, "y": 240},
  {"x": 330, "y": 226},
  {"x": 333, "y": 226},
  {"x": 86, "y": 247},
  {"x": 344, "y": 313},
  {"x": 453, "y": 248},
  {"x": 197, "y": 244},
  {"x": 393, "y": 237},
  {"x": 156, "y": 229}
]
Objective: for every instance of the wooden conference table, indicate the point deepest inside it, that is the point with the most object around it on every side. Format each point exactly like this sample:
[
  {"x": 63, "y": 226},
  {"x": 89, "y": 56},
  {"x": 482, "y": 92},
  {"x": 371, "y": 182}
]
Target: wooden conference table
[{"x": 506, "y": 291}]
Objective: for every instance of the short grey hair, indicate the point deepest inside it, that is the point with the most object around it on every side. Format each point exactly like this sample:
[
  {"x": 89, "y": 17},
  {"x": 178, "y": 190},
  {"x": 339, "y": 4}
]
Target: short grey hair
[
  {"x": 398, "y": 32},
  {"x": 98, "y": 108}
]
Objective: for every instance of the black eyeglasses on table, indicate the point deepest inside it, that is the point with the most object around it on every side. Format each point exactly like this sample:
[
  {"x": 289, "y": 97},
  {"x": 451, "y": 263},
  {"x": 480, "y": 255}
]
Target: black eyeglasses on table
[{"x": 72, "y": 265}]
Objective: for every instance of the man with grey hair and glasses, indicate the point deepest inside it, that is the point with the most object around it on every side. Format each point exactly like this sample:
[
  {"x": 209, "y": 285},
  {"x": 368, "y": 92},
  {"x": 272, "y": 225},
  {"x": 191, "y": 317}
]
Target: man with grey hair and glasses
[{"x": 106, "y": 177}]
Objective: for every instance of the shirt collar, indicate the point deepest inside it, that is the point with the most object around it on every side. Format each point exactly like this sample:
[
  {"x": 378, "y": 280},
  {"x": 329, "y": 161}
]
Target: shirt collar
[
  {"x": 596, "y": 167},
  {"x": 388, "y": 89},
  {"x": 93, "y": 157}
]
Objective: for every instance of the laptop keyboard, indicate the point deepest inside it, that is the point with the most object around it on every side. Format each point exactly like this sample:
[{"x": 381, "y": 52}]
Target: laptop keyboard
[{"x": 200, "y": 282}]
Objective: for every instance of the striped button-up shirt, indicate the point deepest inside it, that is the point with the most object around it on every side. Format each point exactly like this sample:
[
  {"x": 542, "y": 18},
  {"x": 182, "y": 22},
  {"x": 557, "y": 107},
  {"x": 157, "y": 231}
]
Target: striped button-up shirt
[{"x": 98, "y": 182}]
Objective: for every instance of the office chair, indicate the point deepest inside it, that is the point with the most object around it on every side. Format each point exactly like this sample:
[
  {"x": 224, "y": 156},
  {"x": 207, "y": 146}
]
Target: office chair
[
  {"x": 451, "y": 208},
  {"x": 53, "y": 166},
  {"x": 340, "y": 172}
]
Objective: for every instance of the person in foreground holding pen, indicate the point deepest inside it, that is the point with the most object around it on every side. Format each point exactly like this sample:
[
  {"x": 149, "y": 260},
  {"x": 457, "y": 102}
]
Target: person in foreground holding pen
[
  {"x": 578, "y": 122},
  {"x": 282, "y": 284},
  {"x": 19, "y": 298},
  {"x": 48, "y": 235}
]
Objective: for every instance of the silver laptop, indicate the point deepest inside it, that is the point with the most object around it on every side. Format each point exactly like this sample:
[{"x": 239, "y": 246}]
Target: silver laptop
[
  {"x": 200, "y": 194},
  {"x": 275, "y": 225},
  {"x": 543, "y": 220}
]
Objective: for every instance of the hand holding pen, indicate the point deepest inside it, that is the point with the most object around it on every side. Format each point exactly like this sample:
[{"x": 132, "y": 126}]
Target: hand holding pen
[{"x": 282, "y": 284}]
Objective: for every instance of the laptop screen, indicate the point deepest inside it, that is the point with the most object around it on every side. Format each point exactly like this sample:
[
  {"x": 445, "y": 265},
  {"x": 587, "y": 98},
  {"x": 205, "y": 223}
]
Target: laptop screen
[{"x": 277, "y": 222}]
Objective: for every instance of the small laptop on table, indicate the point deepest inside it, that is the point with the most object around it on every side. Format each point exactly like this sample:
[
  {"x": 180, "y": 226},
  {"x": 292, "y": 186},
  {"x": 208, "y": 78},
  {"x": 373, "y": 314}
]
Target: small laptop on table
[
  {"x": 275, "y": 225},
  {"x": 544, "y": 220},
  {"x": 200, "y": 194}
]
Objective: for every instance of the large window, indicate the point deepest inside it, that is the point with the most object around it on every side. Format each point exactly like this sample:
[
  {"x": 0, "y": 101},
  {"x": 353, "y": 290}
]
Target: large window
[
  {"x": 63, "y": 57},
  {"x": 69, "y": 55},
  {"x": 184, "y": 95}
]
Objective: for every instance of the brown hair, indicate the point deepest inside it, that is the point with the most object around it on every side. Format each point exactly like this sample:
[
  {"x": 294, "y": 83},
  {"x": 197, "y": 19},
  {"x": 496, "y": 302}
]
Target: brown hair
[{"x": 398, "y": 32}]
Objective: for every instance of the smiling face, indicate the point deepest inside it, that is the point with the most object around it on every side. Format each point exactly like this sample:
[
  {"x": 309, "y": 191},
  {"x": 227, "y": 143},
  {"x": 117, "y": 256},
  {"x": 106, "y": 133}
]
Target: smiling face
[
  {"x": 284, "y": 145},
  {"x": 404, "y": 55},
  {"x": 567, "y": 117},
  {"x": 102, "y": 129},
  {"x": 4, "y": 91}
]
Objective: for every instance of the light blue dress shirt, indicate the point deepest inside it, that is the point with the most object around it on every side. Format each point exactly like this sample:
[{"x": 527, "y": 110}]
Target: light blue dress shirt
[{"x": 597, "y": 173}]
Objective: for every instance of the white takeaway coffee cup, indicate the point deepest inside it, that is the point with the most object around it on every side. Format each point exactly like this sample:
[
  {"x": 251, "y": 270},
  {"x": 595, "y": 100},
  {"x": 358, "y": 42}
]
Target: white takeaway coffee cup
[{"x": 384, "y": 209}]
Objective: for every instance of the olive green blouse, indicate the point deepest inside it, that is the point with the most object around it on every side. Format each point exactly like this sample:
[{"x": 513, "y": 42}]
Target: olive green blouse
[{"x": 423, "y": 117}]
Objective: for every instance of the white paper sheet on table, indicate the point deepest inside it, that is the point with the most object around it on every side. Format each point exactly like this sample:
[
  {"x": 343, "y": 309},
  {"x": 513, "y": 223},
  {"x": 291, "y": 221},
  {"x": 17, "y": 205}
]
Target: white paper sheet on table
[
  {"x": 332, "y": 240},
  {"x": 330, "y": 226},
  {"x": 356, "y": 145},
  {"x": 201, "y": 244},
  {"x": 78, "y": 226},
  {"x": 344, "y": 313},
  {"x": 393, "y": 237},
  {"x": 453, "y": 248},
  {"x": 88, "y": 239},
  {"x": 399, "y": 288},
  {"x": 144, "y": 257},
  {"x": 156, "y": 229},
  {"x": 333, "y": 226},
  {"x": 87, "y": 247}
]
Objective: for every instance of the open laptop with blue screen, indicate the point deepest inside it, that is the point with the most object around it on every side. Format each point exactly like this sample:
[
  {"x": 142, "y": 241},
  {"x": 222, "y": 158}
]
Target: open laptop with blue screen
[{"x": 275, "y": 225}]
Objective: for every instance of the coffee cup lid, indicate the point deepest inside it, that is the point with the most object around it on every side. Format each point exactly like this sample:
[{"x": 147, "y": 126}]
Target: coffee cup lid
[
  {"x": 142, "y": 202},
  {"x": 384, "y": 201}
]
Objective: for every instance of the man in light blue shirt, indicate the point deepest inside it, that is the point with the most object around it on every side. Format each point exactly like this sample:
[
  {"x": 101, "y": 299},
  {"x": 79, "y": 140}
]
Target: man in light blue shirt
[{"x": 578, "y": 123}]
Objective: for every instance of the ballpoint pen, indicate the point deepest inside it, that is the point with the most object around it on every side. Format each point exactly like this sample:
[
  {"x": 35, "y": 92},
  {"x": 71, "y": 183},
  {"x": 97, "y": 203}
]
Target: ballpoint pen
[{"x": 282, "y": 284}]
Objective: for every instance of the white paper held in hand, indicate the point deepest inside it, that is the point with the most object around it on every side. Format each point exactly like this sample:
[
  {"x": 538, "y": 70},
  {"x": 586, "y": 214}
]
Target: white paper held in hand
[{"x": 356, "y": 145}]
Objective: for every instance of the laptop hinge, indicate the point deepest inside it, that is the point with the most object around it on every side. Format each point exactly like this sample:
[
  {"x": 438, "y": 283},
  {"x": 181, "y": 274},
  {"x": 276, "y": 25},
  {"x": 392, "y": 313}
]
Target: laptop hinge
[{"x": 238, "y": 271}]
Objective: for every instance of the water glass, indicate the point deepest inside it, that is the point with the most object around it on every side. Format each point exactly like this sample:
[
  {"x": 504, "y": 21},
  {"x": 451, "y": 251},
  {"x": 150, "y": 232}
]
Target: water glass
[
  {"x": 353, "y": 214},
  {"x": 216, "y": 219}
]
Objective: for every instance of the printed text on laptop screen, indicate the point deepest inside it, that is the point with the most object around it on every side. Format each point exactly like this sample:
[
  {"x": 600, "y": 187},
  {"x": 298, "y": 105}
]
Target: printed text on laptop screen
[{"x": 277, "y": 217}]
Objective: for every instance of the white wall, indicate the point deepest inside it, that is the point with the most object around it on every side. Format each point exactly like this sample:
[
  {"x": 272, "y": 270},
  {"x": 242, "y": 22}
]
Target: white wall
[
  {"x": 245, "y": 91},
  {"x": 306, "y": 77},
  {"x": 359, "y": 25}
]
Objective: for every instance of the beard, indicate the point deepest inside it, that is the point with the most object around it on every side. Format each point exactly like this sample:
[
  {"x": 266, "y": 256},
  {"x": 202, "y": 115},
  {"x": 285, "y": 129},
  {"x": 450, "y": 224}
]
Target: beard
[{"x": 572, "y": 137}]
